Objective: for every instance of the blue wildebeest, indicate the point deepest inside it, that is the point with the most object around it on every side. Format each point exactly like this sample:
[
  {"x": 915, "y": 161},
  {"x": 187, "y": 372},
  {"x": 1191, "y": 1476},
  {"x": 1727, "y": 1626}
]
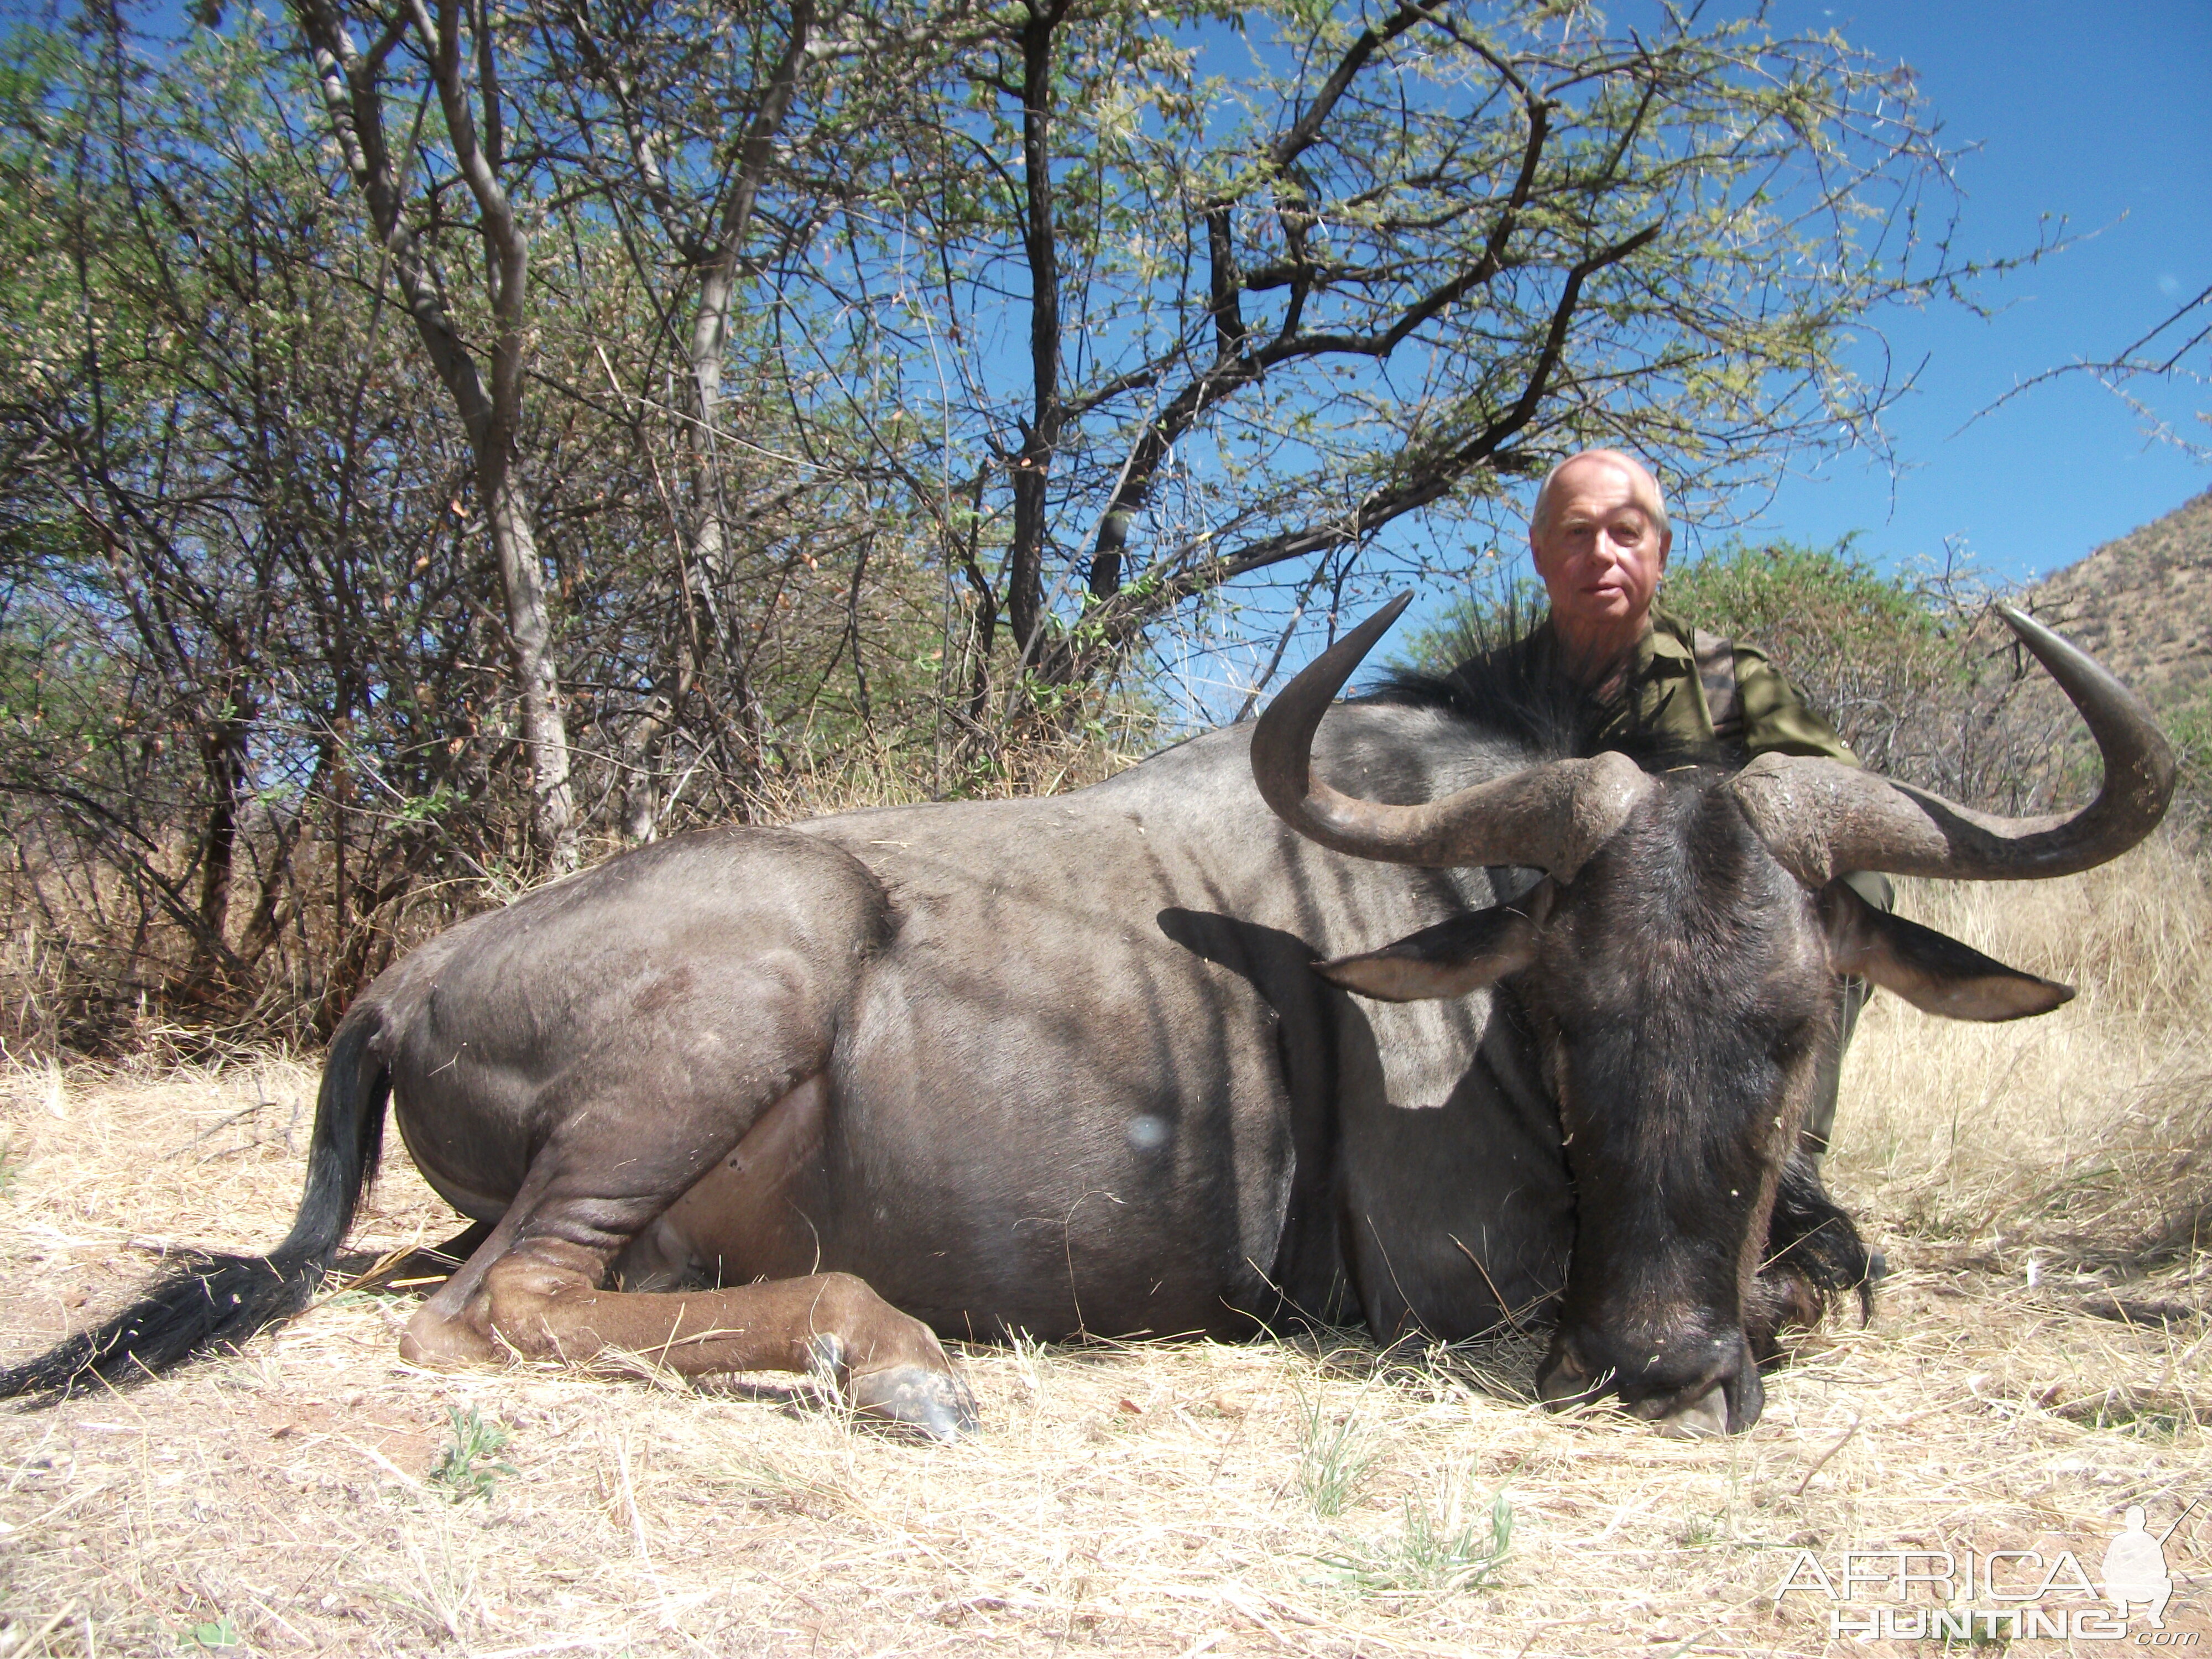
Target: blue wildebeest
[{"x": 811, "y": 1097}]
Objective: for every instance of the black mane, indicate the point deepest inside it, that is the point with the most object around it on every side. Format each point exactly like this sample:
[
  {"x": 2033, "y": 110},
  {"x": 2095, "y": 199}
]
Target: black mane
[{"x": 1514, "y": 680}]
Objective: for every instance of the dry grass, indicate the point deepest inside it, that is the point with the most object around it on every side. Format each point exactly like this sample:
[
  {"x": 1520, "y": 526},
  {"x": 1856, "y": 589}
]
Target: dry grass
[
  {"x": 91, "y": 963},
  {"x": 2083, "y": 1136},
  {"x": 1173, "y": 1499}
]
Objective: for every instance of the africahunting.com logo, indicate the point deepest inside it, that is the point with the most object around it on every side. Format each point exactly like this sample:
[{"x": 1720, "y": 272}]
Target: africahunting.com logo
[{"x": 1907, "y": 1595}]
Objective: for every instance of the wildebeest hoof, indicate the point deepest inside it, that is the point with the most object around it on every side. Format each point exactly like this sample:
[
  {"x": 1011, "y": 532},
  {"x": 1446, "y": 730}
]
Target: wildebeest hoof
[
  {"x": 443, "y": 1344},
  {"x": 1705, "y": 1418},
  {"x": 915, "y": 1400}
]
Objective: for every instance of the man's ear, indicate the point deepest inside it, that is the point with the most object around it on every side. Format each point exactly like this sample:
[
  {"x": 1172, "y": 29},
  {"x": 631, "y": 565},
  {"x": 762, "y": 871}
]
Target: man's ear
[
  {"x": 1536, "y": 555},
  {"x": 1453, "y": 958},
  {"x": 1930, "y": 970}
]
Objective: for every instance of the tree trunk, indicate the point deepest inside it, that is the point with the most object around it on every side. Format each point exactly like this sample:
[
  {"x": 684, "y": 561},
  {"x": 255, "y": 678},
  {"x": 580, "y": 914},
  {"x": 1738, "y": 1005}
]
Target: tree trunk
[
  {"x": 353, "y": 95},
  {"x": 1033, "y": 465},
  {"x": 223, "y": 750},
  {"x": 530, "y": 654},
  {"x": 710, "y": 566}
]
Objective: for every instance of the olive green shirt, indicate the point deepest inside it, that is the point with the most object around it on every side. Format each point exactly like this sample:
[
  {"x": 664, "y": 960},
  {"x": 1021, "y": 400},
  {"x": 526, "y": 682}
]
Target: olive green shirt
[{"x": 1670, "y": 695}]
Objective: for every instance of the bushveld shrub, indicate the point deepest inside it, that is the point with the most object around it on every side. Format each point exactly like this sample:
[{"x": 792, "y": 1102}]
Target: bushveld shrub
[{"x": 102, "y": 956}]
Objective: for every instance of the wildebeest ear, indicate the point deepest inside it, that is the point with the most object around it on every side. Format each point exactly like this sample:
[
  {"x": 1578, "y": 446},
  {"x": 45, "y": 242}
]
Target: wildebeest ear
[
  {"x": 1930, "y": 970},
  {"x": 1451, "y": 958}
]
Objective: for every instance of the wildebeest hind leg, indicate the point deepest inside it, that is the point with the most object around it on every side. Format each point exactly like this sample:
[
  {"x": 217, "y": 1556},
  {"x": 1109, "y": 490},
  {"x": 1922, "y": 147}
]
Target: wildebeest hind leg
[
  {"x": 535, "y": 1288},
  {"x": 542, "y": 1300}
]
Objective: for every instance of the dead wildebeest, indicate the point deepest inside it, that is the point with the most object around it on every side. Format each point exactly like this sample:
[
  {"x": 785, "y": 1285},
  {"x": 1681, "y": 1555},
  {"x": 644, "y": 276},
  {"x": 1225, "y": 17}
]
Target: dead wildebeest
[{"x": 809, "y": 1098}]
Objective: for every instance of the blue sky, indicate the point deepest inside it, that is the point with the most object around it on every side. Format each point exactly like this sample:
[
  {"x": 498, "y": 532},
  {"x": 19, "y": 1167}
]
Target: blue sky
[
  {"x": 2097, "y": 115},
  {"x": 2101, "y": 114}
]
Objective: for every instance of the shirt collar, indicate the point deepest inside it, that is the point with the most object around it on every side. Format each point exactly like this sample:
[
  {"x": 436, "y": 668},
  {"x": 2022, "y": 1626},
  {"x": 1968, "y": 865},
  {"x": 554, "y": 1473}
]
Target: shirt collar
[{"x": 1666, "y": 639}]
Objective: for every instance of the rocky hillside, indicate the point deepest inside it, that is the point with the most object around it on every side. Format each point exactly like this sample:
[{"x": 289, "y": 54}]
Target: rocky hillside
[{"x": 2143, "y": 605}]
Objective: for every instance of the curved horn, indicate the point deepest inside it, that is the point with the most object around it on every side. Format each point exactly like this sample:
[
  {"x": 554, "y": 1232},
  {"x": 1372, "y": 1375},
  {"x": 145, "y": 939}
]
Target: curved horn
[
  {"x": 1822, "y": 818},
  {"x": 1551, "y": 817}
]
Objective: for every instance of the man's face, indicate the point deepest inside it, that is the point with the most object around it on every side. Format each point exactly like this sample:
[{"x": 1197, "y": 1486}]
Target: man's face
[{"x": 1599, "y": 550}]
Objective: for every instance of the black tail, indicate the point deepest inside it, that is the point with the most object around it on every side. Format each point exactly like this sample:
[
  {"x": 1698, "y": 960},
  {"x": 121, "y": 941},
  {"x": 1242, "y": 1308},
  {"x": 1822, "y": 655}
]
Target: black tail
[{"x": 216, "y": 1302}]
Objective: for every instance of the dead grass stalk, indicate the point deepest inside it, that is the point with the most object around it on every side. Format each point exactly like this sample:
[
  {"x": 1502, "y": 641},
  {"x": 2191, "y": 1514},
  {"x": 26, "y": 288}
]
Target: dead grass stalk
[{"x": 2037, "y": 1363}]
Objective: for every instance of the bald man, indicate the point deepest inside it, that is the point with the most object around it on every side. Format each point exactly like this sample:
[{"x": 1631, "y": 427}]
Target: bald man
[{"x": 1599, "y": 536}]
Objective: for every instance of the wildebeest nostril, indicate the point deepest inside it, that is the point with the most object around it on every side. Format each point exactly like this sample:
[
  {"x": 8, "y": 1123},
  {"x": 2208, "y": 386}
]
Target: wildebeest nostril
[
  {"x": 1692, "y": 1387},
  {"x": 1565, "y": 1378}
]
